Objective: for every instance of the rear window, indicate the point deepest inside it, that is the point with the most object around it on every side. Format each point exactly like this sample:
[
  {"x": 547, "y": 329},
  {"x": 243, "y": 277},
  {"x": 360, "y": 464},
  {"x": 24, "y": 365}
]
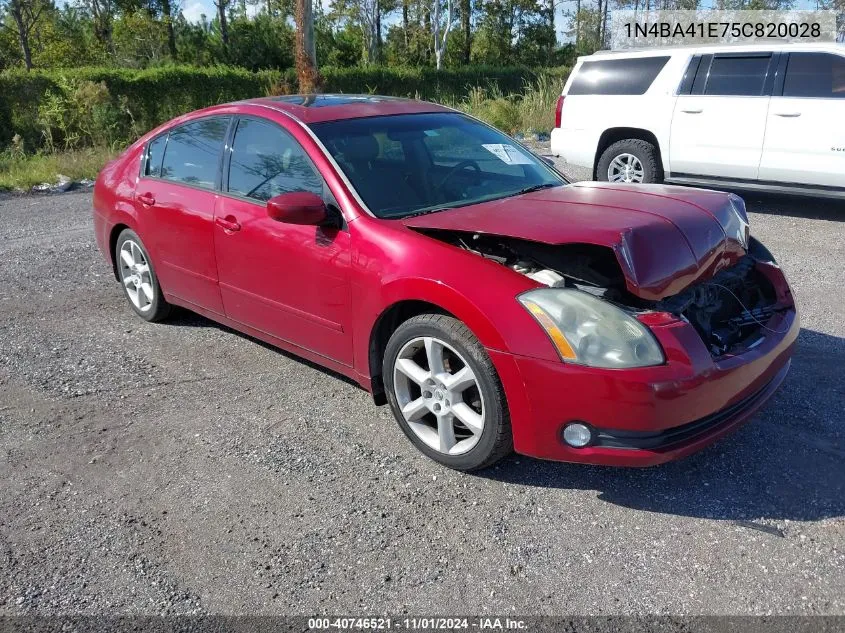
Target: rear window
[
  {"x": 155, "y": 151},
  {"x": 630, "y": 76},
  {"x": 192, "y": 154},
  {"x": 737, "y": 76},
  {"x": 819, "y": 75}
]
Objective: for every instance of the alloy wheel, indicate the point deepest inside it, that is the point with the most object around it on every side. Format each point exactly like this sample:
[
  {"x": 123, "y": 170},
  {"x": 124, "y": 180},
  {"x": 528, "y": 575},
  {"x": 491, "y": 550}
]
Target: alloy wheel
[
  {"x": 625, "y": 168},
  {"x": 439, "y": 395},
  {"x": 136, "y": 276}
]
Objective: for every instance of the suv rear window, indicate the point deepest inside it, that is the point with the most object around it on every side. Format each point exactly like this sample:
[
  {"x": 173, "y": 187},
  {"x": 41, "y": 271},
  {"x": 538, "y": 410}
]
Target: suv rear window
[
  {"x": 630, "y": 76},
  {"x": 737, "y": 76},
  {"x": 819, "y": 75}
]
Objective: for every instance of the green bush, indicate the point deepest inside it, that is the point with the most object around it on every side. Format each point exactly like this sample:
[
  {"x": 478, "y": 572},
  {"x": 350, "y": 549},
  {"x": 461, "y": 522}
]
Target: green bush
[{"x": 107, "y": 106}]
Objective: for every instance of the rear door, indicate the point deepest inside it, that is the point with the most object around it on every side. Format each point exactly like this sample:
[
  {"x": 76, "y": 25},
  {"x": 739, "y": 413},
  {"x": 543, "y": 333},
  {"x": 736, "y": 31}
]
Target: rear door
[
  {"x": 718, "y": 129},
  {"x": 175, "y": 198},
  {"x": 805, "y": 134}
]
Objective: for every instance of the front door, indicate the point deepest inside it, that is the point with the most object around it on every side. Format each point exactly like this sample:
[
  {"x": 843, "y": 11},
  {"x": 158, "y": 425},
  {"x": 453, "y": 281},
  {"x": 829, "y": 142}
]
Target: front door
[
  {"x": 286, "y": 280},
  {"x": 718, "y": 129},
  {"x": 805, "y": 136}
]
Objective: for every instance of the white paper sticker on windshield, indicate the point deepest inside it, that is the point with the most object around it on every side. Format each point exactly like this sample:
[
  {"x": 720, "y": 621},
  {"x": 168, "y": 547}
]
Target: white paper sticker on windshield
[{"x": 508, "y": 154}]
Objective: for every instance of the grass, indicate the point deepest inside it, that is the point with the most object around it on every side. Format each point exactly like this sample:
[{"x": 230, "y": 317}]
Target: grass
[
  {"x": 531, "y": 111},
  {"x": 19, "y": 172}
]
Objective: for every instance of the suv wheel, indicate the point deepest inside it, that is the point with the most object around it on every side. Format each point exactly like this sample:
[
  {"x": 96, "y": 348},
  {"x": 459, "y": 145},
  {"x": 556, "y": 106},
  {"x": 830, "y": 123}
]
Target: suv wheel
[
  {"x": 631, "y": 160},
  {"x": 445, "y": 393}
]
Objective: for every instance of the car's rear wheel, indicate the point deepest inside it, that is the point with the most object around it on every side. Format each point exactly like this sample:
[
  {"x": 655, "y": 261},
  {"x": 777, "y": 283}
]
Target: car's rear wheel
[
  {"x": 446, "y": 394},
  {"x": 631, "y": 160},
  {"x": 138, "y": 278}
]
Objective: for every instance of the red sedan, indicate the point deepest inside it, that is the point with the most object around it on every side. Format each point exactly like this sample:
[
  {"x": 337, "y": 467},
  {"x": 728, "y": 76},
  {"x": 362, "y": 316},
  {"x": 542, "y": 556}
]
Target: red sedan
[{"x": 456, "y": 276}]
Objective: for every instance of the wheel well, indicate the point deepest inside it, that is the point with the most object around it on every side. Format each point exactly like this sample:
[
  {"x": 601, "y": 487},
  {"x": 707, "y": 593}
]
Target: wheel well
[
  {"x": 385, "y": 326},
  {"x": 115, "y": 232},
  {"x": 611, "y": 136}
]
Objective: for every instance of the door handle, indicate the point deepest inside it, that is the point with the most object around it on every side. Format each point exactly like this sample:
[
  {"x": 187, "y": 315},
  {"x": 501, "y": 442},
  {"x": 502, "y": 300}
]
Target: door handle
[
  {"x": 693, "y": 110},
  {"x": 147, "y": 199},
  {"x": 789, "y": 115},
  {"x": 228, "y": 223}
]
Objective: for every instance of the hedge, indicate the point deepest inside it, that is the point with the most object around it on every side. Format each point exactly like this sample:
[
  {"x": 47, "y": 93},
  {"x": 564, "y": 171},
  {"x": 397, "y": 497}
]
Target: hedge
[{"x": 138, "y": 100}]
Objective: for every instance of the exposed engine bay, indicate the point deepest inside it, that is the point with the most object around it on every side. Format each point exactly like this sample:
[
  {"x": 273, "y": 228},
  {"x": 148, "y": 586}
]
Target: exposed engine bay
[{"x": 728, "y": 310}]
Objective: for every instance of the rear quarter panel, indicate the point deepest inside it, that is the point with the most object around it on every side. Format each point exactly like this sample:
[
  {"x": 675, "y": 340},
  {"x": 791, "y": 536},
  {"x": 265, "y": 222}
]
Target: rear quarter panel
[
  {"x": 114, "y": 197},
  {"x": 585, "y": 118}
]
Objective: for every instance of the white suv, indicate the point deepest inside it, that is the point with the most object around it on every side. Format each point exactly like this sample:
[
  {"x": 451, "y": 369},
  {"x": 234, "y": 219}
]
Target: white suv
[{"x": 749, "y": 116}]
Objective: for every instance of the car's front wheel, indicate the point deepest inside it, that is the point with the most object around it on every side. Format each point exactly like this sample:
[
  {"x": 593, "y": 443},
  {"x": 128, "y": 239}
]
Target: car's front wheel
[
  {"x": 631, "y": 160},
  {"x": 138, "y": 278},
  {"x": 446, "y": 394}
]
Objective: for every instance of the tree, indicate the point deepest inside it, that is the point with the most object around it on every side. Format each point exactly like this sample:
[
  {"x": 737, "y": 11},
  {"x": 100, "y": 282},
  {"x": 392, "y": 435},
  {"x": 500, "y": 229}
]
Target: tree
[
  {"x": 25, "y": 14},
  {"x": 466, "y": 26},
  {"x": 223, "y": 21},
  {"x": 102, "y": 12},
  {"x": 441, "y": 28},
  {"x": 139, "y": 39},
  {"x": 167, "y": 13},
  {"x": 306, "y": 52}
]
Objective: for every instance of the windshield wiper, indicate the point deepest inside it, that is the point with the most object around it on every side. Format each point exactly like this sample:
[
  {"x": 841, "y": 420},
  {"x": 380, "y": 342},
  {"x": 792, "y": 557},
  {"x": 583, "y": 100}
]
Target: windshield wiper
[
  {"x": 426, "y": 212},
  {"x": 546, "y": 185}
]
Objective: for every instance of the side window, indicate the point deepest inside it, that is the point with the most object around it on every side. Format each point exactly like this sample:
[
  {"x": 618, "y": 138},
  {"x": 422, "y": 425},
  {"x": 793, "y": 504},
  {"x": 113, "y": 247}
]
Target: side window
[
  {"x": 631, "y": 76},
  {"x": 689, "y": 75},
  {"x": 267, "y": 162},
  {"x": 820, "y": 75},
  {"x": 192, "y": 155},
  {"x": 737, "y": 76},
  {"x": 155, "y": 151}
]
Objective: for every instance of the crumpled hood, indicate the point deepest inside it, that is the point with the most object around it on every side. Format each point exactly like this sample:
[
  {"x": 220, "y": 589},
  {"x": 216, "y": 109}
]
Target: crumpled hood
[{"x": 665, "y": 238}]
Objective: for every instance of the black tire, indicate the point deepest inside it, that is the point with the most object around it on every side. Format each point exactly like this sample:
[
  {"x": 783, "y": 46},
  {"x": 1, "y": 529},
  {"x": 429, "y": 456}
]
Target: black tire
[
  {"x": 645, "y": 152},
  {"x": 495, "y": 440},
  {"x": 157, "y": 309}
]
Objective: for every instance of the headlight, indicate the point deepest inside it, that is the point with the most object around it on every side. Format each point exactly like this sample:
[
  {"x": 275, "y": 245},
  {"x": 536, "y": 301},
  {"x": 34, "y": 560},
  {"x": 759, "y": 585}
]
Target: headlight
[{"x": 589, "y": 331}]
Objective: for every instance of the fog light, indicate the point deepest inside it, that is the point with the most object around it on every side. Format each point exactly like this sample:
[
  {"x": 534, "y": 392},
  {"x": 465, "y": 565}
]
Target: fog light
[{"x": 577, "y": 435}]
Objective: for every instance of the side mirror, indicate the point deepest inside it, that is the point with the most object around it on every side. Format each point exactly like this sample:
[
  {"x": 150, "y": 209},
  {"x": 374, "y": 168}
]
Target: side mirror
[{"x": 300, "y": 207}]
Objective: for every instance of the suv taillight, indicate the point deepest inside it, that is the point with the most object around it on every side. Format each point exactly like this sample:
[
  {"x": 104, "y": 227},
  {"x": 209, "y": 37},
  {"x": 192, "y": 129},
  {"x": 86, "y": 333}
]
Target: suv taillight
[{"x": 559, "y": 110}]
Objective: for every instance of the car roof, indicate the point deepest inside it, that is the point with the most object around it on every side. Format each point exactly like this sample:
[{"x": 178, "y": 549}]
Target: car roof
[
  {"x": 335, "y": 107},
  {"x": 738, "y": 47}
]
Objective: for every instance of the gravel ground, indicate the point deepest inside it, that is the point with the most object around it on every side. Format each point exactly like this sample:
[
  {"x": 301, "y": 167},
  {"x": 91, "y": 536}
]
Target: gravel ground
[{"x": 184, "y": 468}]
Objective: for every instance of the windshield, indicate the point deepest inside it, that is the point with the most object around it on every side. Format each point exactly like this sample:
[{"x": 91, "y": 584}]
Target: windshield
[{"x": 417, "y": 163}]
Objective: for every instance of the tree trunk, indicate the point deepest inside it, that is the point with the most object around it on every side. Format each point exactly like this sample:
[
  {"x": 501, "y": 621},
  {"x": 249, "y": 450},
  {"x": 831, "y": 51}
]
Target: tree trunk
[
  {"x": 604, "y": 24},
  {"x": 306, "y": 51},
  {"x": 553, "y": 43},
  {"x": 441, "y": 41},
  {"x": 405, "y": 23},
  {"x": 23, "y": 32},
  {"x": 102, "y": 13},
  {"x": 224, "y": 23},
  {"x": 171, "y": 35},
  {"x": 427, "y": 27},
  {"x": 466, "y": 14},
  {"x": 377, "y": 46},
  {"x": 577, "y": 22},
  {"x": 598, "y": 30}
]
